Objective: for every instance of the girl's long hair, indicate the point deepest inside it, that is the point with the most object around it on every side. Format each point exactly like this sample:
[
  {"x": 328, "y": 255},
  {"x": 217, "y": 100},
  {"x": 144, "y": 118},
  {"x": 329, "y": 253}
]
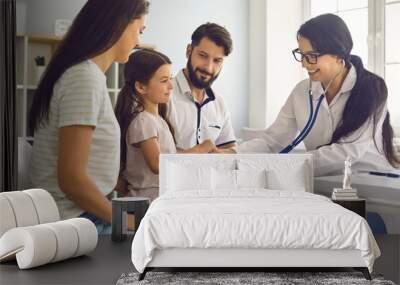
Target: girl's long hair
[
  {"x": 140, "y": 67},
  {"x": 97, "y": 27},
  {"x": 328, "y": 34}
]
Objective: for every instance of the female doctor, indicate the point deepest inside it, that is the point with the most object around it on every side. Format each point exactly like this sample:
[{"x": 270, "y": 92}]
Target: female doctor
[{"x": 339, "y": 112}]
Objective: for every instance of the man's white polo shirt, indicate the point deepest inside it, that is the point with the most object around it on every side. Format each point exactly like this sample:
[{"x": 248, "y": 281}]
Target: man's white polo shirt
[{"x": 193, "y": 122}]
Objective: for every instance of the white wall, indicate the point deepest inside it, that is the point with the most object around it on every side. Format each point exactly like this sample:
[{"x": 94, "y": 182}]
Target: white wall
[
  {"x": 257, "y": 63},
  {"x": 21, "y": 7},
  {"x": 274, "y": 72},
  {"x": 283, "y": 72},
  {"x": 169, "y": 27},
  {"x": 41, "y": 14}
]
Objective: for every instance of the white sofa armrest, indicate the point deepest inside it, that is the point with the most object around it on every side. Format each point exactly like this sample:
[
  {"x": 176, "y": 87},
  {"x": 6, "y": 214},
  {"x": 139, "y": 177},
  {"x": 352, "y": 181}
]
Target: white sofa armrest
[{"x": 46, "y": 243}]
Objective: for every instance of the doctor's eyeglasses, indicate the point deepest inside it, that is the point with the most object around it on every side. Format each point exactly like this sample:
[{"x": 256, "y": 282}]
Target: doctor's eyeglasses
[{"x": 311, "y": 58}]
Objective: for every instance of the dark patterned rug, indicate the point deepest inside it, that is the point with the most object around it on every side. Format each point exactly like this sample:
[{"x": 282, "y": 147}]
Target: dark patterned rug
[{"x": 242, "y": 278}]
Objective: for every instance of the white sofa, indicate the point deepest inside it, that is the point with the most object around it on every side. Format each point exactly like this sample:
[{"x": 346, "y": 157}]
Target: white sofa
[{"x": 31, "y": 231}]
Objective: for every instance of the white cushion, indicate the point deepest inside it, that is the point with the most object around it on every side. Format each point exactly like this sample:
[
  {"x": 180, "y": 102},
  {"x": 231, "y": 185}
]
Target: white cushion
[
  {"x": 282, "y": 174},
  {"x": 224, "y": 179},
  {"x": 26, "y": 208},
  {"x": 23, "y": 208},
  {"x": 7, "y": 218},
  {"x": 40, "y": 244},
  {"x": 252, "y": 178},
  {"x": 67, "y": 238},
  {"x": 45, "y": 205},
  {"x": 87, "y": 235},
  {"x": 34, "y": 244},
  {"x": 290, "y": 177},
  {"x": 31, "y": 246},
  {"x": 222, "y": 163},
  {"x": 183, "y": 177}
]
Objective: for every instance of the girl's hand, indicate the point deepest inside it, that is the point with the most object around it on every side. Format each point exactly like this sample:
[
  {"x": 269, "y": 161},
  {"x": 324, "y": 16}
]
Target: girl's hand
[
  {"x": 224, "y": 150},
  {"x": 208, "y": 146},
  {"x": 205, "y": 147}
]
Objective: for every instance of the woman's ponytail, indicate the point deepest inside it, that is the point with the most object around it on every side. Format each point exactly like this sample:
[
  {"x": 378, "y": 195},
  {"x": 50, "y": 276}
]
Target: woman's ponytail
[
  {"x": 388, "y": 148},
  {"x": 162, "y": 111},
  {"x": 367, "y": 102}
]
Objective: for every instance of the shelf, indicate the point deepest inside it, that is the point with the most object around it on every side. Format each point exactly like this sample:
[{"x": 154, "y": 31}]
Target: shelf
[
  {"x": 52, "y": 40},
  {"x": 31, "y": 87},
  {"x": 28, "y": 87}
]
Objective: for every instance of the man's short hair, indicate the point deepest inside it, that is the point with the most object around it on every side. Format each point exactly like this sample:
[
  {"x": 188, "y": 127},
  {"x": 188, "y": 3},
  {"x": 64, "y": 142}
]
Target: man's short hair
[{"x": 216, "y": 33}]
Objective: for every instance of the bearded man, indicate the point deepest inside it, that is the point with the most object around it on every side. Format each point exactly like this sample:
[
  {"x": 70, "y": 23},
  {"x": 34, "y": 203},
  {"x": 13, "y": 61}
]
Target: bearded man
[{"x": 195, "y": 112}]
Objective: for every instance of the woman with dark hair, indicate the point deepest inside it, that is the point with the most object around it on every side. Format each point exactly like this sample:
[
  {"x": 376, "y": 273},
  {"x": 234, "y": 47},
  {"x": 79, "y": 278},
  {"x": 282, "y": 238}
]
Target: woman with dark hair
[
  {"x": 76, "y": 148},
  {"x": 339, "y": 113},
  {"x": 145, "y": 130}
]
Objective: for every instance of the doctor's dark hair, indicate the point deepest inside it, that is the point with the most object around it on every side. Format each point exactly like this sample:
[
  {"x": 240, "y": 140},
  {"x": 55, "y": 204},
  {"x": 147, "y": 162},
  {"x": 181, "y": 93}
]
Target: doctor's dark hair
[
  {"x": 96, "y": 28},
  {"x": 216, "y": 33},
  {"x": 141, "y": 67},
  {"x": 328, "y": 34}
]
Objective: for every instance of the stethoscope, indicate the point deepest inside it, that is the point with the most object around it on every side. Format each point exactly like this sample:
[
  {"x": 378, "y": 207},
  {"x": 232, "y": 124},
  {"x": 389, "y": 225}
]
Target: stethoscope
[{"x": 312, "y": 117}]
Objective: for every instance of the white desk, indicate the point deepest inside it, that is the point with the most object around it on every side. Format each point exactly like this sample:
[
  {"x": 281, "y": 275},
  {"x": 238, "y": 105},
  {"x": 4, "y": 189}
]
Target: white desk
[{"x": 382, "y": 195}]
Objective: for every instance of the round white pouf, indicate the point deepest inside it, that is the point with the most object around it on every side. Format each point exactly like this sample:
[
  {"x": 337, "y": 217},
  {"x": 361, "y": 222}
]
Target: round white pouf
[
  {"x": 7, "y": 217},
  {"x": 87, "y": 235},
  {"x": 40, "y": 244},
  {"x": 23, "y": 208},
  {"x": 45, "y": 205},
  {"x": 67, "y": 239},
  {"x": 34, "y": 246}
]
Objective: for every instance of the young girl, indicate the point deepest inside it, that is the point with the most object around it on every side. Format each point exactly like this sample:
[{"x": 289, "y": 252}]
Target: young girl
[
  {"x": 145, "y": 133},
  {"x": 76, "y": 149}
]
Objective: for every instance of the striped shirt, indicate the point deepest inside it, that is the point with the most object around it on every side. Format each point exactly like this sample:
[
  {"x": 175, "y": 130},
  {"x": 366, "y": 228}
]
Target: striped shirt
[{"x": 80, "y": 97}]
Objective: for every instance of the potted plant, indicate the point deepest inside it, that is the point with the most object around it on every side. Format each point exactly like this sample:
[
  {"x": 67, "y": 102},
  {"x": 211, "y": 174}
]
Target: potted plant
[{"x": 40, "y": 67}]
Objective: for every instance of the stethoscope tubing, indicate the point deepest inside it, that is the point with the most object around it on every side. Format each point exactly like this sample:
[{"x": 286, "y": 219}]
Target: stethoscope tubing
[
  {"x": 293, "y": 144},
  {"x": 309, "y": 125},
  {"x": 313, "y": 116}
]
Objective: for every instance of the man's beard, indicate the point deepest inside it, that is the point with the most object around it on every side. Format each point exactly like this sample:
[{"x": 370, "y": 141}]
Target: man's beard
[{"x": 198, "y": 82}]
